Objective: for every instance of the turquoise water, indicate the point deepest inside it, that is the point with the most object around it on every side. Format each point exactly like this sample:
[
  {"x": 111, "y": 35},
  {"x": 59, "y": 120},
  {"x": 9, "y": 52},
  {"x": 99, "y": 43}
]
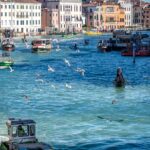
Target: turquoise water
[{"x": 83, "y": 116}]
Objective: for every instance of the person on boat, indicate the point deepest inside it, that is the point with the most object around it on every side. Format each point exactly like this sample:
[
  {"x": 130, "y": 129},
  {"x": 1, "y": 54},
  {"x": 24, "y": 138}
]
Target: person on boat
[
  {"x": 21, "y": 131},
  {"x": 119, "y": 80},
  {"x": 75, "y": 46},
  {"x": 86, "y": 42}
]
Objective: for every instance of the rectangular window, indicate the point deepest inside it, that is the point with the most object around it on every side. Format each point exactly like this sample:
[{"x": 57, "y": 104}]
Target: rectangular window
[
  {"x": 110, "y": 9},
  {"x": 14, "y": 132},
  {"x": 23, "y": 130}
]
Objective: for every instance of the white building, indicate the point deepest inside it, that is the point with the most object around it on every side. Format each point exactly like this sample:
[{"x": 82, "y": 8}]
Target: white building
[
  {"x": 69, "y": 14},
  {"x": 98, "y": 18},
  {"x": 20, "y": 15},
  {"x": 128, "y": 8}
]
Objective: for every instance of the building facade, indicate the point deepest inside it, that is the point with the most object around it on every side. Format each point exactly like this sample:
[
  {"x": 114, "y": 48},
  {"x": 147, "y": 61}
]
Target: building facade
[
  {"x": 89, "y": 10},
  {"x": 66, "y": 15},
  {"x": 129, "y": 11},
  {"x": 138, "y": 16},
  {"x": 112, "y": 16},
  {"x": 146, "y": 16},
  {"x": 98, "y": 18},
  {"x": 21, "y": 16},
  {"x": 45, "y": 17}
]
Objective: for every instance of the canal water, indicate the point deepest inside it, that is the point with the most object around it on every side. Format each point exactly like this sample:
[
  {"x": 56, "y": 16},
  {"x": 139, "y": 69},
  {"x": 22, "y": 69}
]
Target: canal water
[{"x": 76, "y": 112}]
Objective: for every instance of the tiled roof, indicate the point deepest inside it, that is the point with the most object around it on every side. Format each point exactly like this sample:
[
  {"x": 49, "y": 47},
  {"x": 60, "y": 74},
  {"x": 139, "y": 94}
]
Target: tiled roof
[{"x": 21, "y": 1}]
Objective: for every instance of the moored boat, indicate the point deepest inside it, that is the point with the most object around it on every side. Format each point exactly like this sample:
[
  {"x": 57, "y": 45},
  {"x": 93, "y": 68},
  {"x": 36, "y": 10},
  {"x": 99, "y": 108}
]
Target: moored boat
[
  {"x": 120, "y": 41},
  {"x": 41, "y": 45},
  {"x": 93, "y": 33},
  {"x": 138, "y": 48},
  {"x": 141, "y": 53},
  {"x": 22, "y": 136}
]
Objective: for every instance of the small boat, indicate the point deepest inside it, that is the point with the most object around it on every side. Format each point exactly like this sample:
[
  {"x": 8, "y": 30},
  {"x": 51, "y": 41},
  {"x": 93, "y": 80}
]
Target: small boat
[
  {"x": 7, "y": 41},
  {"x": 41, "y": 45},
  {"x": 104, "y": 46},
  {"x": 22, "y": 136},
  {"x": 5, "y": 61},
  {"x": 8, "y": 44}
]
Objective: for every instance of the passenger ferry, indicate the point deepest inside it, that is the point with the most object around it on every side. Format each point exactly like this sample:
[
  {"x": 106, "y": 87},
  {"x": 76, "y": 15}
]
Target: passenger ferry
[
  {"x": 119, "y": 41},
  {"x": 5, "y": 61},
  {"x": 21, "y": 136},
  {"x": 41, "y": 45}
]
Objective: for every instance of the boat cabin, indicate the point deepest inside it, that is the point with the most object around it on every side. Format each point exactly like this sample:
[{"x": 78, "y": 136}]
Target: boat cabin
[
  {"x": 21, "y": 131},
  {"x": 22, "y": 136},
  {"x": 41, "y": 42}
]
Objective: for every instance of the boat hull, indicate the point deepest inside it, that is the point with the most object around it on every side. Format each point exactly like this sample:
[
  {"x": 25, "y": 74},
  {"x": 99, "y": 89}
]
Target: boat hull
[
  {"x": 139, "y": 53},
  {"x": 5, "y": 64},
  {"x": 8, "y": 47},
  {"x": 40, "y": 50},
  {"x": 110, "y": 48}
]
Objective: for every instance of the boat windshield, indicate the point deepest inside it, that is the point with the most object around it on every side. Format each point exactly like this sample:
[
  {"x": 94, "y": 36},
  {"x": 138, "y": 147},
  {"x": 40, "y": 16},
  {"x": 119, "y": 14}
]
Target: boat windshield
[
  {"x": 42, "y": 42},
  {"x": 38, "y": 42}
]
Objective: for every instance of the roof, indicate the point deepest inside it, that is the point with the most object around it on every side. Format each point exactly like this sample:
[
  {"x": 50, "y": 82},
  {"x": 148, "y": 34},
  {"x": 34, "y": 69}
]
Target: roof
[
  {"x": 22, "y": 1},
  {"x": 13, "y": 121}
]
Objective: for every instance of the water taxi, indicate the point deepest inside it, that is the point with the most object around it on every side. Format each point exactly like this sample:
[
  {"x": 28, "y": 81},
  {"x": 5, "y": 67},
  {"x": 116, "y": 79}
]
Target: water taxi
[
  {"x": 7, "y": 42},
  {"x": 5, "y": 61},
  {"x": 21, "y": 136},
  {"x": 41, "y": 45}
]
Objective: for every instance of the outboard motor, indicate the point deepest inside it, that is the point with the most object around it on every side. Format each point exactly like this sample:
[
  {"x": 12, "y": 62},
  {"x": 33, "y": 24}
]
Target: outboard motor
[{"x": 119, "y": 80}]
